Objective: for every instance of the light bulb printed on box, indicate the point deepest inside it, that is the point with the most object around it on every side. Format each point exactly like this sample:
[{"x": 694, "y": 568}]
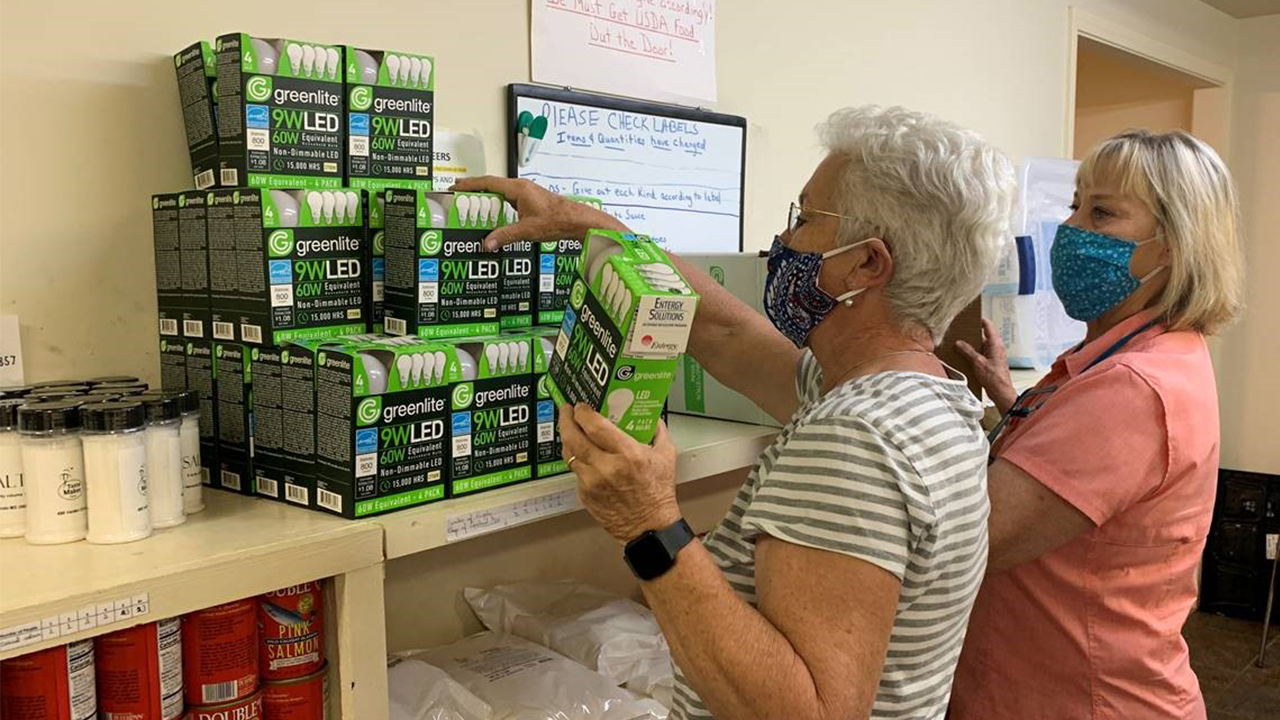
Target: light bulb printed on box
[
  {"x": 492, "y": 422},
  {"x": 390, "y": 119},
  {"x": 302, "y": 269},
  {"x": 623, "y": 331},
  {"x": 440, "y": 281},
  {"x": 279, "y": 113},
  {"x": 383, "y": 422}
]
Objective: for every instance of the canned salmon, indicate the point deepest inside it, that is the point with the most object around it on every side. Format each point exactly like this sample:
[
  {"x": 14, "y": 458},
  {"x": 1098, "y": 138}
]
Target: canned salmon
[
  {"x": 52, "y": 684},
  {"x": 304, "y": 698},
  {"x": 249, "y": 708},
  {"x": 220, "y": 653},
  {"x": 140, "y": 672},
  {"x": 291, "y": 632}
]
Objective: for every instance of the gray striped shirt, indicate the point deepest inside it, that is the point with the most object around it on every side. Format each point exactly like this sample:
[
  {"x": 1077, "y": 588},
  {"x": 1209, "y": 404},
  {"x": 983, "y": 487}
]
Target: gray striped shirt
[{"x": 891, "y": 469}]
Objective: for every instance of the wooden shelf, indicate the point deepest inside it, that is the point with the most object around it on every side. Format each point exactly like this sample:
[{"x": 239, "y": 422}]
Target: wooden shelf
[{"x": 237, "y": 547}]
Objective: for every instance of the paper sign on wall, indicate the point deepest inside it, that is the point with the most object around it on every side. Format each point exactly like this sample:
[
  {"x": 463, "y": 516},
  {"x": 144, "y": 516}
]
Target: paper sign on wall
[
  {"x": 643, "y": 48},
  {"x": 457, "y": 155},
  {"x": 10, "y": 351}
]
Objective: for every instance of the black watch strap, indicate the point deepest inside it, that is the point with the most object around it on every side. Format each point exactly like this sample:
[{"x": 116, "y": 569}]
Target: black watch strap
[{"x": 654, "y": 552}]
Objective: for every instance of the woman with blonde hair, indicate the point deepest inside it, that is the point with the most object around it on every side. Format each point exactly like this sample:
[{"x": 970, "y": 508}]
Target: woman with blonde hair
[{"x": 1102, "y": 476}]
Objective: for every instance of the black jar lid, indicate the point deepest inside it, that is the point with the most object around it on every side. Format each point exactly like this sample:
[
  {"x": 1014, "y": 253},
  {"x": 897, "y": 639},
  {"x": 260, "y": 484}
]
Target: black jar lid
[
  {"x": 113, "y": 379},
  {"x": 51, "y": 416},
  {"x": 9, "y": 412},
  {"x": 14, "y": 391},
  {"x": 125, "y": 388},
  {"x": 55, "y": 383},
  {"x": 114, "y": 416},
  {"x": 190, "y": 400},
  {"x": 63, "y": 389},
  {"x": 161, "y": 406}
]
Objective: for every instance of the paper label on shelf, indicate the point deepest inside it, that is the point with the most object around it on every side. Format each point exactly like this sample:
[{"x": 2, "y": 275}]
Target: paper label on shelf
[
  {"x": 69, "y": 623},
  {"x": 482, "y": 522},
  {"x": 1272, "y": 541}
]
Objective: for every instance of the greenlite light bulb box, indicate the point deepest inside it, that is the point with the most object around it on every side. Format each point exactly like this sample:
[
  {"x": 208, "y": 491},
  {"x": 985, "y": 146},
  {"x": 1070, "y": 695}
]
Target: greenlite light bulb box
[
  {"x": 196, "y": 67},
  {"x": 378, "y": 260},
  {"x": 547, "y": 444},
  {"x": 624, "y": 329},
  {"x": 694, "y": 391},
  {"x": 279, "y": 113},
  {"x": 200, "y": 377},
  {"x": 173, "y": 364},
  {"x": 557, "y": 266},
  {"x": 168, "y": 263},
  {"x": 491, "y": 425},
  {"x": 382, "y": 424},
  {"x": 284, "y": 443},
  {"x": 390, "y": 118},
  {"x": 193, "y": 254},
  {"x": 440, "y": 281},
  {"x": 515, "y": 306},
  {"x": 290, "y": 264},
  {"x": 234, "y": 386}
]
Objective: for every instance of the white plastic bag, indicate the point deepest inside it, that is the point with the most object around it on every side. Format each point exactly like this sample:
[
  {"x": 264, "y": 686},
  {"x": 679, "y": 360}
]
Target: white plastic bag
[
  {"x": 615, "y": 636},
  {"x": 418, "y": 691},
  {"x": 523, "y": 681}
]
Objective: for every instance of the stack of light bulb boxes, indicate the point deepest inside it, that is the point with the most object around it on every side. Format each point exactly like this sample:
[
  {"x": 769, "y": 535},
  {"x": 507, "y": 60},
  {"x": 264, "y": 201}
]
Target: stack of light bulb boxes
[{"x": 313, "y": 230}]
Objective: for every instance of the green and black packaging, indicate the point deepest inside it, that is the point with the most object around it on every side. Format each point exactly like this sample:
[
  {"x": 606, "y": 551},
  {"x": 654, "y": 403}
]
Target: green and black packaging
[
  {"x": 492, "y": 422},
  {"x": 234, "y": 386},
  {"x": 196, "y": 67},
  {"x": 557, "y": 266},
  {"x": 390, "y": 119},
  {"x": 440, "y": 281},
  {"x": 284, "y": 443},
  {"x": 279, "y": 113}
]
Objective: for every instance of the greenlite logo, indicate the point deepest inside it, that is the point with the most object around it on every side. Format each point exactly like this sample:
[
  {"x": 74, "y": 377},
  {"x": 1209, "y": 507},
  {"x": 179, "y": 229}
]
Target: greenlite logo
[
  {"x": 235, "y": 196},
  {"x": 155, "y": 203},
  {"x": 280, "y": 243},
  {"x": 577, "y": 295},
  {"x": 549, "y": 246},
  {"x": 431, "y": 242},
  {"x": 462, "y": 396},
  {"x": 182, "y": 201},
  {"x": 368, "y": 411},
  {"x": 258, "y": 88},
  {"x": 544, "y": 390},
  {"x": 321, "y": 358},
  {"x": 717, "y": 274},
  {"x": 191, "y": 348},
  {"x": 379, "y": 243},
  {"x": 177, "y": 61},
  {"x": 219, "y": 351},
  {"x": 254, "y": 354},
  {"x": 208, "y": 199},
  {"x": 361, "y": 97},
  {"x": 284, "y": 356}
]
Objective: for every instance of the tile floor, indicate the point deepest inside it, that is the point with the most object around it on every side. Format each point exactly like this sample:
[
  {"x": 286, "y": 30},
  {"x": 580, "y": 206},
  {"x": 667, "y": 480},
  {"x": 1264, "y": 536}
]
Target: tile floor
[{"x": 1223, "y": 651}]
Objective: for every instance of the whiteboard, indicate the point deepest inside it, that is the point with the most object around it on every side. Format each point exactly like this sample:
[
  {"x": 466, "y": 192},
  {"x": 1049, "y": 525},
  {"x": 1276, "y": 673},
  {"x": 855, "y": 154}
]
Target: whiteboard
[{"x": 673, "y": 173}]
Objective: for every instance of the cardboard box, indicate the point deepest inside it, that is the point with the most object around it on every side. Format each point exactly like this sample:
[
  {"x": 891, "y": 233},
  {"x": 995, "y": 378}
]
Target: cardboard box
[
  {"x": 390, "y": 119},
  {"x": 300, "y": 260},
  {"x": 280, "y": 113},
  {"x": 557, "y": 267},
  {"x": 492, "y": 421},
  {"x": 515, "y": 307},
  {"x": 694, "y": 391},
  {"x": 200, "y": 377},
  {"x": 547, "y": 460},
  {"x": 382, "y": 424},
  {"x": 196, "y": 67},
  {"x": 284, "y": 414},
  {"x": 168, "y": 263},
  {"x": 440, "y": 281},
  {"x": 378, "y": 261},
  {"x": 234, "y": 387},
  {"x": 194, "y": 260},
  {"x": 625, "y": 327},
  {"x": 173, "y": 364}
]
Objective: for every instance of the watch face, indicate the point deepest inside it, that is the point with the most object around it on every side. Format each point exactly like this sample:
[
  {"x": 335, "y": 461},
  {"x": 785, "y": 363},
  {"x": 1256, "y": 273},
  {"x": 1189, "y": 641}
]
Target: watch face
[{"x": 648, "y": 556}]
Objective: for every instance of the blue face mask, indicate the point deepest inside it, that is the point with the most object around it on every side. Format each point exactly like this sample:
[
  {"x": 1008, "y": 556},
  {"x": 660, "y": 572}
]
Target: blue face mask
[
  {"x": 792, "y": 299},
  {"x": 1091, "y": 271}
]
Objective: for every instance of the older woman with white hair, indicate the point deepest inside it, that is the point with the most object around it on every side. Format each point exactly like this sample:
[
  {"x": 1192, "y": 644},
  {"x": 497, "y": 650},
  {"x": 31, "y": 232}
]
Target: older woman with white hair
[
  {"x": 1103, "y": 475},
  {"x": 840, "y": 582}
]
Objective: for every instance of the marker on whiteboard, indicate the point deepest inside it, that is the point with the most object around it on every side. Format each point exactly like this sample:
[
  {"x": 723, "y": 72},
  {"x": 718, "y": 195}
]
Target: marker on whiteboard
[
  {"x": 537, "y": 131},
  {"x": 523, "y": 121}
]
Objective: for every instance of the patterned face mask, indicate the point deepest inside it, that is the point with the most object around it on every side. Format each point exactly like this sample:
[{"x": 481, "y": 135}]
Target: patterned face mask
[
  {"x": 792, "y": 299},
  {"x": 1091, "y": 271}
]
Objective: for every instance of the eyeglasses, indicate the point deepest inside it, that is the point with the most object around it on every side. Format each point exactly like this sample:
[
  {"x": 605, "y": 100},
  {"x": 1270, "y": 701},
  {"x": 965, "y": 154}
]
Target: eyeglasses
[{"x": 793, "y": 215}]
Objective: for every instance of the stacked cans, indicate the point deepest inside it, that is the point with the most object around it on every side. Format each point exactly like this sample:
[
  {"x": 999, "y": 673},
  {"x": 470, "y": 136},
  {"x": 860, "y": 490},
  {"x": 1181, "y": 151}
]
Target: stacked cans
[
  {"x": 220, "y": 665},
  {"x": 291, "y": 653}
]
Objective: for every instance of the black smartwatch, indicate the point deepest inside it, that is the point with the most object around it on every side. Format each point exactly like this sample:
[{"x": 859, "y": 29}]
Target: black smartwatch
[{"x": 654, "y": 552}]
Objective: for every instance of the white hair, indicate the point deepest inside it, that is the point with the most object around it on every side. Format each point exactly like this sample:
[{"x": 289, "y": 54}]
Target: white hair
[{"x": 938, "y": 195}]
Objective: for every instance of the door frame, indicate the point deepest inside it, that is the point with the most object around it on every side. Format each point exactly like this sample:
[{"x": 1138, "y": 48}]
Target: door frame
[{"x": 1213, "y": 103}]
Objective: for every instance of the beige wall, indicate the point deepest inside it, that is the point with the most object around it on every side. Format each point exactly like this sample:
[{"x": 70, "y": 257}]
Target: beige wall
[
  {"x": 1115, "y": 91},
  {"x": 89, "y": 124},
  {"x": 1248, "y": 382}
]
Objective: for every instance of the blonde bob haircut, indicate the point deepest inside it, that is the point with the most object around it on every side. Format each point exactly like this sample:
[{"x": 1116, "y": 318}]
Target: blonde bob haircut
[{"x": 1184, "y": 183}]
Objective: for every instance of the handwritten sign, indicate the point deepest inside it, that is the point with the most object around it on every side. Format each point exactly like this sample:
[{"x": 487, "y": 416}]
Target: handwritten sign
[
  {"x": 488, "y": 520},
  {"x": 677, "y": 180},
  {"x": 657, "y": 49},
  {"x": 10, "y": 351}
]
